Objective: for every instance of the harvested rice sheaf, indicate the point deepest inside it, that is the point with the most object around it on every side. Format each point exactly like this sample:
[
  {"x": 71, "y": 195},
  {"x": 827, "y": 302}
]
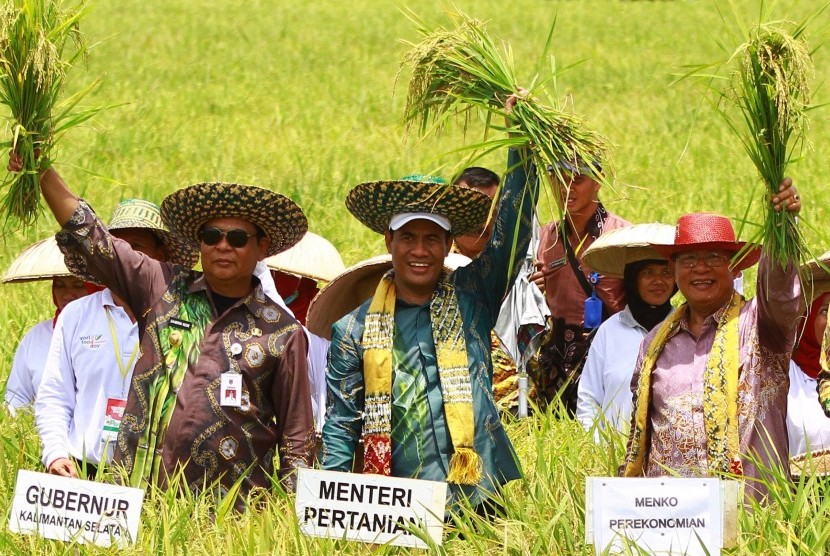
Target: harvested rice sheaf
[
  {"x": 460, "y": 72},
  {"x": 39, "y": 41},
  {"x": 771, "y": 87}
]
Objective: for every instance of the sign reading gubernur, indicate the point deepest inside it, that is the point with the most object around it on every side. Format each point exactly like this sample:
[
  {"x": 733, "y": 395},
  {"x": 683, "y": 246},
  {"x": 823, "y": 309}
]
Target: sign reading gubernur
[
  {"x": 74, "y": 510},
  {"x": 369, "y": 508}
]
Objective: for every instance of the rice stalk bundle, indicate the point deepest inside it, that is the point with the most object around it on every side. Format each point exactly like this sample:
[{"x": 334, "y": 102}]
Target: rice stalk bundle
[
  {"x": 460, "y": 72},
  {"x": 39, "y": 41},
  {"x": 771, "y": 88}
]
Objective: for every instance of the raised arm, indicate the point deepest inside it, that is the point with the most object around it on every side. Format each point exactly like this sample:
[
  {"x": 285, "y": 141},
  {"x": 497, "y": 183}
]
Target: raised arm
[
  {"x": 59, "y": 198},
  {"x": 778, "y": 291}
]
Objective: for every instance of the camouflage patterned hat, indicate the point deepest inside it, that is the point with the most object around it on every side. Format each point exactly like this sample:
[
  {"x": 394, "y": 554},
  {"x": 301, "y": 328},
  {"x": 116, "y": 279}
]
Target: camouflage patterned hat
[
  {"x": 279, "y": 218},
  {"x": 375, "y": 203},
  {"x": 143, "y": 215}
]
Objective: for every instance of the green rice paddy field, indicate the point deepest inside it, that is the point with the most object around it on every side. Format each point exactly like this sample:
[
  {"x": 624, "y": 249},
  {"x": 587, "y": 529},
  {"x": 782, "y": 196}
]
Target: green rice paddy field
[{"x": 300, "y": 97}]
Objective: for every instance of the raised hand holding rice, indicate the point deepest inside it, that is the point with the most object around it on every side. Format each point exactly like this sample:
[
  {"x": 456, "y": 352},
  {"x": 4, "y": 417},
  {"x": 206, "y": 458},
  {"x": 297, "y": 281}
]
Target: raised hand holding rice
[{"x": 39, "y": 41}]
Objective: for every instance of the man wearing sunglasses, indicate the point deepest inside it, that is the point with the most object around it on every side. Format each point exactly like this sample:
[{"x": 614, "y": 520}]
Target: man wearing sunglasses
[
  {"x": 710, "y": 384},
  {"x": 221, "y": 386}
]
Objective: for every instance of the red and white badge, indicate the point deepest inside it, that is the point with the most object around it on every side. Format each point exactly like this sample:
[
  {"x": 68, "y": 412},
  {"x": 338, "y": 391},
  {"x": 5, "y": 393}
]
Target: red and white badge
[
  {"x": 112, "y": 419},
  {"x": 230, "y": 390}
]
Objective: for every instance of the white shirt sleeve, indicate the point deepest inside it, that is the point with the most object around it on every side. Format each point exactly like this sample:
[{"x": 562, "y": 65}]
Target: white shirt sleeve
[
  {"x": 55, "y": 402},
  {"x": 591, "y": 390},
  {"x": 318, "y": 350},
  {"x": 27, "y": 366}
]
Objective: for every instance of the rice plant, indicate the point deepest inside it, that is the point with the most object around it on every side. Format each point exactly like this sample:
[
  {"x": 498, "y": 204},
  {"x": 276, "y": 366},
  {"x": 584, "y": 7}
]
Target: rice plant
[
  {"x": 769, "y": 85},
  {"x": 40, "y": 41},
  {"x": 461, "y": 72}
]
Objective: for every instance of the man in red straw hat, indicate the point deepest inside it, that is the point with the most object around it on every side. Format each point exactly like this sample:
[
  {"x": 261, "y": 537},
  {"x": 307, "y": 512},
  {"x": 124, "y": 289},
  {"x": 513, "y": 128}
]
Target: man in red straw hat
[
  {"x": 221, "y": 387},
  {"x": 710, "y": 384}
]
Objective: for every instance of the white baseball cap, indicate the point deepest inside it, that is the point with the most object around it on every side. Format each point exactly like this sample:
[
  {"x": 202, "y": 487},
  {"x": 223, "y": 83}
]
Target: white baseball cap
[{"x": 399, "y": 220}]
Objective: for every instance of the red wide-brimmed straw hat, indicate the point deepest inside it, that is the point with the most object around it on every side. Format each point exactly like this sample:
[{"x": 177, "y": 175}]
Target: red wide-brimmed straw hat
[{"x": 707, "y": 230}]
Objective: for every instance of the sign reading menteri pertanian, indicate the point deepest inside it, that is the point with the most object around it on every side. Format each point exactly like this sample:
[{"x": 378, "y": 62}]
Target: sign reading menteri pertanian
[
  {"x": 369, "y": 508},
  {"x": 662, "y": 515},
  {"x": 67, "y": 509}
]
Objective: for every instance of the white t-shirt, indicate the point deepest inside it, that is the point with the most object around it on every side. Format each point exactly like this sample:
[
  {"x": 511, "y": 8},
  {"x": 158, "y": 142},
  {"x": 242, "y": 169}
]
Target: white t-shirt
[
  {"x": 81, "y": 377},
  {"x": 27, "y": 367},
  {"x": 604, "y": 393},
  {"x": 807, "y": 425}
]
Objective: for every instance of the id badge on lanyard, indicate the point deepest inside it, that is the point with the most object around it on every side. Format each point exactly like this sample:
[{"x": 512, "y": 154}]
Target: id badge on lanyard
[{"x": 112, "y": 419}]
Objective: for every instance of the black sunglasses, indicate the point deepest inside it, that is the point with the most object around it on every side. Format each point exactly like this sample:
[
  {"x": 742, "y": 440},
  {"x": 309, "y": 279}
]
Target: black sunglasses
[{"x": 236, "y": 237}]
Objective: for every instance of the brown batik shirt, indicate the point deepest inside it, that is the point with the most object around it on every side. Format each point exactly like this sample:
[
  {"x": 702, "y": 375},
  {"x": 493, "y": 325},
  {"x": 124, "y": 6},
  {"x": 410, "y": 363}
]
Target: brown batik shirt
[{"x": 254, "y": 337}]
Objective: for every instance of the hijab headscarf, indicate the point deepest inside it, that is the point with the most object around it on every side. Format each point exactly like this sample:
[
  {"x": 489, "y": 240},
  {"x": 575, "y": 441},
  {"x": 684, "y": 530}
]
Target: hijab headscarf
[
  {"x": 648, "y": 316},
  {"x": 806, "y": 353}
]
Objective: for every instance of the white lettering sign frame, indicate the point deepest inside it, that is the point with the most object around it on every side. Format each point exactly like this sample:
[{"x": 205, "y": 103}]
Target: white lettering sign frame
[
  {"x": 369, "y": 508},
  {"x": 68, "y": 510},
  {"x": 664, "y": 515}
]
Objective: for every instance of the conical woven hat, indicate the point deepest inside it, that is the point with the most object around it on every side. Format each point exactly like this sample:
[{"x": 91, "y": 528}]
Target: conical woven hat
[
  {"x": 40, "y": 261},
  {"x": 185, "y": 211},
  {"x": 312, "y": 257},
  {"x": 815, "y": 464},
  {"x": 616, "y": 248},
  {"x": 355, "y": 285},
  {"x": 817, "y": 273},
  {"x": 375, "y": 203}
]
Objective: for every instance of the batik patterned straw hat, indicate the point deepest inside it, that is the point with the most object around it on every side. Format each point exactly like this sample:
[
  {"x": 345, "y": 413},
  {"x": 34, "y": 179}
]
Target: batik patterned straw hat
[
  {"x": 375, "y": 203},
  {"x": 355, "y": 285},
  {"x": 707, "y": 230},
  {"x": 185, "y": 211},
  {"x": 815, "y": 272},
  {"x": 40, "y": 261},
  {"x": 616, "y": 248},
  {"x": 144, "y": 215}
]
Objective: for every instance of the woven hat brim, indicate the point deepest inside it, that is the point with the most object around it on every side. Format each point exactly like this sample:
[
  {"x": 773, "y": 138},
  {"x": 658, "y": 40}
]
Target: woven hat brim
[
  {"x": 818, "y": 464},
  {"x": 312, "y": 257},
  {"x": 816, "y": 271},
  {"x": 616, "y": 248},
  {"x": 747, "y": 258},
  {"x": 374, "y": 204},
  {"x": 42, "y": 260},
  {"x": 185, "y": 212},
  {"x": 353, "y": 287}
]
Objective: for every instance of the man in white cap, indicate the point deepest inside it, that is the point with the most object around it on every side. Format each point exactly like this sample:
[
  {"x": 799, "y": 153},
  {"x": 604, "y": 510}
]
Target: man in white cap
[
  {"x": 221, "y": 386},
  {"x": 410, "y": 370}
]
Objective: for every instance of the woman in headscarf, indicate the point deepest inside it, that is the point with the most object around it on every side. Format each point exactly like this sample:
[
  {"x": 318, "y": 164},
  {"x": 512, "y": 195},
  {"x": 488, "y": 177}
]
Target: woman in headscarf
[
  {"x": 604, "y": 397},
  {"x": 807, "y": 425}
]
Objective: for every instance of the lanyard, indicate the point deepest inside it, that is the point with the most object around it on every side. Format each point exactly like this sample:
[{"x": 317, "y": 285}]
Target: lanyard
[{"x": 121, "y": 367}]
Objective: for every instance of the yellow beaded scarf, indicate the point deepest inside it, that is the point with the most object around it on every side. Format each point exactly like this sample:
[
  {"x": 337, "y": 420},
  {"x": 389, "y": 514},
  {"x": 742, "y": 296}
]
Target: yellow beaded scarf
[
  {"x": 453, "y": 372},
  {"x": 720, "y": 394}
]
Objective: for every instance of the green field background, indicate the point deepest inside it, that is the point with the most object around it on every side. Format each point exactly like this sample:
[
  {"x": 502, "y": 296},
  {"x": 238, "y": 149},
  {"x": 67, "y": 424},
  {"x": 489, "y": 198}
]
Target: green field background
[{"x": 300, "y": 97}]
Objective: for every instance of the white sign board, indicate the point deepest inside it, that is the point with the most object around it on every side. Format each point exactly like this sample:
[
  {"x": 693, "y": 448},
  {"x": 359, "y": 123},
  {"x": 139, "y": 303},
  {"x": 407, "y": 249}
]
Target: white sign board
[
  {"x": 369, "y": 508},
  {"x": 74, "y": 510},
  {"x": 659, "y": 515}
]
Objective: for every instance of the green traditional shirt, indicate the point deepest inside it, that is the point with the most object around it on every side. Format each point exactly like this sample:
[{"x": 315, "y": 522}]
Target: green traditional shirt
[{"x": 421, "y": 446}]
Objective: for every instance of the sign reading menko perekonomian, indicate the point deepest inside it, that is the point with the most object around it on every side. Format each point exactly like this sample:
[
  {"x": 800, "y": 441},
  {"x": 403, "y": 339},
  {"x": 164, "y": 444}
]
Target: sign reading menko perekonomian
[
  {"x": 369, "y": 508},
  {"x": 74, "y": 510},
  {"x": 660, "y": 515}
]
